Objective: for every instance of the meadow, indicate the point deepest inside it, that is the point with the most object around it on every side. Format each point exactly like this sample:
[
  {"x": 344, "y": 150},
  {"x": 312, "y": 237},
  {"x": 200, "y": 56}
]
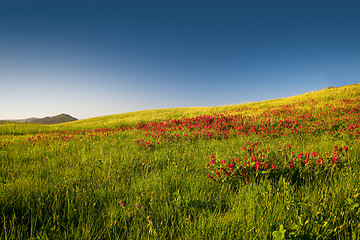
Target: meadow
[{"x": 279, "y": 169}]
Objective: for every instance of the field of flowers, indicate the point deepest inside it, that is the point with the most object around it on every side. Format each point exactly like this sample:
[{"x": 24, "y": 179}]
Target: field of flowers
[{"x": 280, "y": 169}]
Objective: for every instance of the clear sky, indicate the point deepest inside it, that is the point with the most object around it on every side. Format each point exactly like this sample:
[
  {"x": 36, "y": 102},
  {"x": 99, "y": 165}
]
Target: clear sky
[{"x": 93, "y": 58}]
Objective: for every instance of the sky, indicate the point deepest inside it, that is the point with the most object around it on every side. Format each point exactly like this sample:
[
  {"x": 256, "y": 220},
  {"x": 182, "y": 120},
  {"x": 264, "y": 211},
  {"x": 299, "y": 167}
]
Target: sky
[{"x": 90, "y": 58}]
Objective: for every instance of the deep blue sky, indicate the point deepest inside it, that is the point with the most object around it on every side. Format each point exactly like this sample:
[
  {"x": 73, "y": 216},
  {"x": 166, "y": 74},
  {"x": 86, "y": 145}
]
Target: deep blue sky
[{"x": 93, "y": 58}]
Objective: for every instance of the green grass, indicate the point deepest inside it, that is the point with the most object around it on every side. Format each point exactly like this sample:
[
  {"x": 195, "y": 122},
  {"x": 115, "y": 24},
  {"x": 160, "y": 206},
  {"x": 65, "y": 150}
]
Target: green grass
[{"x": 82, "y": 180}]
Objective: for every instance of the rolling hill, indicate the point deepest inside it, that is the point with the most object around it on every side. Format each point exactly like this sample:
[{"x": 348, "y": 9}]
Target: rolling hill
[
  {"x": 279, "y": 169},
  {"x": 61, "y": 118}
]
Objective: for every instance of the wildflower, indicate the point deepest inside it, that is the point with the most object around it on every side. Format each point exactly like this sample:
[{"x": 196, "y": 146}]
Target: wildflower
[
  {"x": 292, "y": 165},
  {"x": 257, "y": 165},
  {"x": 212, "y": 159},
  {"x": 273, "y": 166},
  {"x": 244, "y": 175},
  {"x": 223, "y": 162},
  {"x": 267, "y": 165},
  {"x": 137, "y": 205},
  {"x": 345, "y": 148},
  {"x": 307, "y": 163},
  {"x": 231, "y": 166},
  {"x": 334, "y": 160}
]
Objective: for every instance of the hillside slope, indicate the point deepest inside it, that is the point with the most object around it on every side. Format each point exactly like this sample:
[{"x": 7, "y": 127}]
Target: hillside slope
[
  {"x": 329, "y": 95},
  {"x": 287, "y": 167}
]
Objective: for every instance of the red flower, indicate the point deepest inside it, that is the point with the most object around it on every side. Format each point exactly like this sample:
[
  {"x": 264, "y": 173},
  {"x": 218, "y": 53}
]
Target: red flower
[
  {"x": 231, "y": 166},
  {"x": 306, "y": 161},
  {"x": 257, "y": 165},
  {"x": 334, "y": 160},
  {"x": 267, "y": 165},
  {"x": 212, "y": 159}
]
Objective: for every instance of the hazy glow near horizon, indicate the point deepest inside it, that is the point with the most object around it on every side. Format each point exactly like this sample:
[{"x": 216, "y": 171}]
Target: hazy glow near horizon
[{"x": 89, "y": 59}]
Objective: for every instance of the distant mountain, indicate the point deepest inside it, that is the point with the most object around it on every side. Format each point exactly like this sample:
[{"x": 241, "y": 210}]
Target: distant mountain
[{"x": 61, "y": 118}]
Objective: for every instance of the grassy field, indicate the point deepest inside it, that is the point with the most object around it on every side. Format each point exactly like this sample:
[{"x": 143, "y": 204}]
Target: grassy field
[{"x": 279, "y": 169}]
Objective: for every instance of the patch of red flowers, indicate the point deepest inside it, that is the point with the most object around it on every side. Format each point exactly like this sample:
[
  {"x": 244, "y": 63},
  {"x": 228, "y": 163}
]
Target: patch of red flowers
[{"x": 250, "y": 165}]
